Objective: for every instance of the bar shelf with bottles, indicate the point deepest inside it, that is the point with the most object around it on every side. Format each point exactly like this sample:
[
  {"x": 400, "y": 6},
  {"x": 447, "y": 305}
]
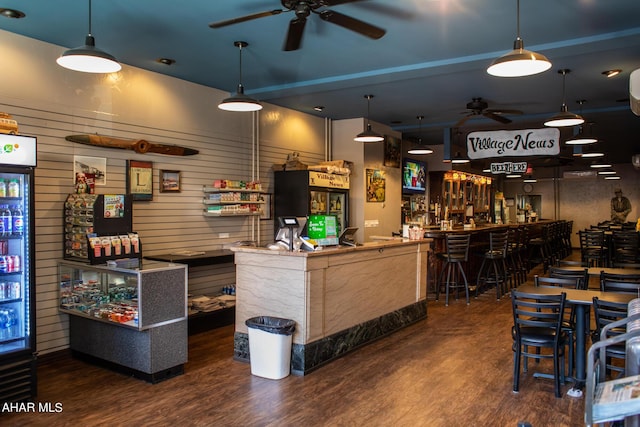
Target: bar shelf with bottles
[{"x": 459, "y": 196}]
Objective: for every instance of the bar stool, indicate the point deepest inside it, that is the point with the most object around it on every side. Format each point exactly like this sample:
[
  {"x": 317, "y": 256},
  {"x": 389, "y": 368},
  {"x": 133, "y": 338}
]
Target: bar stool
[
  {"x": 457, "y": 252},
  {"x": 494, "y": 266}
]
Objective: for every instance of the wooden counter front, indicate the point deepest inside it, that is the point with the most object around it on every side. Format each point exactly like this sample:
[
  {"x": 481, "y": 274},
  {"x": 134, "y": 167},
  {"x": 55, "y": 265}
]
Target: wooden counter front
[{"x": 339, "y": 298}]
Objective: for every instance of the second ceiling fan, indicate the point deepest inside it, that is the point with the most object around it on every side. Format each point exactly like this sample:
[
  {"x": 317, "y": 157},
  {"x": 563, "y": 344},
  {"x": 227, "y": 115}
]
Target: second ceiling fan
[
  {"x": 479, "y": 107},
  {"x": 302, "y": 9}
]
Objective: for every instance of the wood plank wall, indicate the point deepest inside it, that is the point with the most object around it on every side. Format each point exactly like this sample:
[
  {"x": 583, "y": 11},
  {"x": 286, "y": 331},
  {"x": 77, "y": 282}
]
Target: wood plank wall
[{"x": 169, "y": 222}]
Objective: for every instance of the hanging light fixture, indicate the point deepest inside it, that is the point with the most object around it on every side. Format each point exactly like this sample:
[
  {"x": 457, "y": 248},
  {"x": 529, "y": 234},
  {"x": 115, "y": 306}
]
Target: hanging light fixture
[
  {"x": 459, "y": 159},
  {"x": 585, "y": 134},
  {"x": 564, "y": 117},
  {"x": 420, "y": 149},
  {"x": 88, "y": 58},
  {"x": 368, "y": 135},
  {"x": 240, "y": 101},
  {"x": 519, "y": 62}
]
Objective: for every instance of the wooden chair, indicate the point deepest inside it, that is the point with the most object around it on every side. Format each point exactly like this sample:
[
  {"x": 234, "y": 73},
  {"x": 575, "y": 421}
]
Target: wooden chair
[{"x": 537, "y": 323}]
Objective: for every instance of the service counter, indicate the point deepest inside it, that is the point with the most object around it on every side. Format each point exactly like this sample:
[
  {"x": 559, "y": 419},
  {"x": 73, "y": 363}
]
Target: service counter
[{"x": 340, "y": 298}]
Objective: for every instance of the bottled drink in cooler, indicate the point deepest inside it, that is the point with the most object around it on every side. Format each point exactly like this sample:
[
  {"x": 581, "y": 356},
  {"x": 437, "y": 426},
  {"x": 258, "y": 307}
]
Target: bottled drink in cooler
[
  {"x": 13, "y": 188},
  {"x": 3, "y": 188},
  {"x": 5, "y": 217},
  {"x": 17, "y": 219}
]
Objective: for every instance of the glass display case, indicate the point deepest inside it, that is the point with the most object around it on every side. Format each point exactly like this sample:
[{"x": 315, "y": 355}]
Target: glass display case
[
  {"x": 134, "y": 317},
  {"x": 463, "y": 194}
]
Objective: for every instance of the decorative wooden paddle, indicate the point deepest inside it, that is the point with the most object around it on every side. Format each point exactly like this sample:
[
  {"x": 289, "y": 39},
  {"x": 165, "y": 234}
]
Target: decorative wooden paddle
[{"x": 138, "y": 145}]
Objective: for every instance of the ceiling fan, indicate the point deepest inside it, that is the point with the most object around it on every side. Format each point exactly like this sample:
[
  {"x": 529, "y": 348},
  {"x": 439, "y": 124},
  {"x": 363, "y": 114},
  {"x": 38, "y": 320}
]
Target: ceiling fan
[
  {"x": 479, "y": 107},
  {"x": 302, "y": 9}
]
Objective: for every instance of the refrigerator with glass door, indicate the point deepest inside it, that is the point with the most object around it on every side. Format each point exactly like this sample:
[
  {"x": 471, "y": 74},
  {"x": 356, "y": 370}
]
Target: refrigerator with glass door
[{"x": 17, "y": 292}]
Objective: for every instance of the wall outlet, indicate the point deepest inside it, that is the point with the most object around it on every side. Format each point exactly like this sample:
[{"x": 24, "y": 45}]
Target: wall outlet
[{"x": 223, "y": 235}]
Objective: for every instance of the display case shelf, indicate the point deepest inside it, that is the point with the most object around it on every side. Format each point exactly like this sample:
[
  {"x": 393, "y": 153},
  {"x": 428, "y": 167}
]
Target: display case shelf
[{"x": 102, "y": 302}]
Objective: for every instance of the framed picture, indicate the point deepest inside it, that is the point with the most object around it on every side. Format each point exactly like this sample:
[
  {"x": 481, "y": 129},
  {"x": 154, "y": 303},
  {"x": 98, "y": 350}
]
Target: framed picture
[
  {"x": 140, "y": 180},
  {"x": 267, "y": 208},
  {"x": 92, "y": 166},
  {"x": 392, "y": 151},
  {"x": 376, "y": 183},
  {"x": 169, "y": 181}
]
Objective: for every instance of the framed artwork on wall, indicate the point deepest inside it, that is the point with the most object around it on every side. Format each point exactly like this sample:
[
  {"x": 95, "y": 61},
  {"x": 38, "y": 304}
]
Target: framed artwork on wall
[
  {"x": 169, "y": 181},
  {"x": 140, "y": 180},
  {"x": 376, "y": 183},
  {"x": 392, "y": 151},
  {"x": 94, "y": 166}
]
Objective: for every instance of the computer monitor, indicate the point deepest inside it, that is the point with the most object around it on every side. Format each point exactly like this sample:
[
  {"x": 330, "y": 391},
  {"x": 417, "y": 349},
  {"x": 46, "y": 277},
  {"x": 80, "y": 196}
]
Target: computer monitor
[
  {"x": 347, "y": 237},
  {"x": 286, "y": 224}
]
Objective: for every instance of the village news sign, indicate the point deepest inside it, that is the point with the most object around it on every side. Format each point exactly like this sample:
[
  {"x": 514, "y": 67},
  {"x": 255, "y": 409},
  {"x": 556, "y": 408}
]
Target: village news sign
[{"x": 511, "y": 143}]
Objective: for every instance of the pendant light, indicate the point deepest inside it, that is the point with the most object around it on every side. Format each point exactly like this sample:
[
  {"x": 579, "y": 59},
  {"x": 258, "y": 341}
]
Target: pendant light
[
  {"x": 519, "y": 62},
  {"x": 88, "y": 58},
  {"x": 240, "y": 101},
  {"x": 564, "y": 117},
  {"x": 368, "y": 135},
  {"x": 585, "y": 134},
  {"x": 420, "y": 149}
]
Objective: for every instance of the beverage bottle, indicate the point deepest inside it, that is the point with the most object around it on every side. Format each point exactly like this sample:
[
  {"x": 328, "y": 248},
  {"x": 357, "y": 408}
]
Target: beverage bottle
[
  {"x": 16, "y": 263},
  {"x": 5, "y": 216},
  {"x": 16, "y": 290},
  {"x": 3, "y": 188},
  {"x": 13, "y": 189},
  {"x": 17, "y": 219}
]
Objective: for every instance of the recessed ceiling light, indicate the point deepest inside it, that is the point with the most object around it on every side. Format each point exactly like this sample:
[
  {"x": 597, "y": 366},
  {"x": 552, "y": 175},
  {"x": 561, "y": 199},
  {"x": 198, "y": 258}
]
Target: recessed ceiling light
[
  {"x": 612, "y": 73},
  {"x": 11, "y": 13},
  {"x": 319, "y": 107},
  {"x": 607, "y": 172},
  {"x": 612, "y": 177},
  {"x": 514, "y": 176},
  {"x": 166, "y": 61},
  {"x": 592, "y": 154}
]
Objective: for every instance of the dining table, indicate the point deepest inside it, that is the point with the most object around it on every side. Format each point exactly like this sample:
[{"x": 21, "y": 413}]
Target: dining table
[
  {"x": 594, "y": 272},
  {"x": 582, "y": 300}
]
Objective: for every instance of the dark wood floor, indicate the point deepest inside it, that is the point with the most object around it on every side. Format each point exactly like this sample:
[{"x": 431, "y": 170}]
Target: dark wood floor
[{"x": 453, "y": 369}]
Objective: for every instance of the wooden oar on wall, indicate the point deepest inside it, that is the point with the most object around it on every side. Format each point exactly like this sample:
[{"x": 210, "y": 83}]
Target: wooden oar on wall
[{"x": 138, "y": 145}]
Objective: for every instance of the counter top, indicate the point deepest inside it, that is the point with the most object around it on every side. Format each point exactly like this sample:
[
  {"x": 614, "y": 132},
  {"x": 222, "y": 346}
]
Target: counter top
[
  {"x": 195, "y": 259},
  {"x": 392, "y": 242}
]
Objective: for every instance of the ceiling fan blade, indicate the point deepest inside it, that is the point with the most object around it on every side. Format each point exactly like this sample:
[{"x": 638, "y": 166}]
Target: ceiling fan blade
[
  {"x": 352, "y": 24},
  {"x": 497, "y": 117},
  {"x": 245, "y": 18},
  {"x": 294, "y": 35}
]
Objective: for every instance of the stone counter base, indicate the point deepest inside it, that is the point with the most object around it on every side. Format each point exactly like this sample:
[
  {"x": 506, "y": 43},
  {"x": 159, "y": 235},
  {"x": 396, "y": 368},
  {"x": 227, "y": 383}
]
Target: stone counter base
[{"x": 306, "y": 358}]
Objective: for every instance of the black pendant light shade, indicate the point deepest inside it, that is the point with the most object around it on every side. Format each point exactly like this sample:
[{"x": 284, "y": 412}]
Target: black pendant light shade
[
  {"x": 88, "y": 58},
  {"x": 368, "y": 135},
  {"x": 240, "y": 102}
]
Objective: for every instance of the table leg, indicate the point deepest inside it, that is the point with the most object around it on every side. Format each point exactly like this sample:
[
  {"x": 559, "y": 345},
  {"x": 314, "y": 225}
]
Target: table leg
[{"x": 582, "y": 325}]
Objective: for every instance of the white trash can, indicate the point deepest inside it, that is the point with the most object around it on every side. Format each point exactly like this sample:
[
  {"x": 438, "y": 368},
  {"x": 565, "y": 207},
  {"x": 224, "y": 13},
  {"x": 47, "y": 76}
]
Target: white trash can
[{"x": 270, "y": 341}]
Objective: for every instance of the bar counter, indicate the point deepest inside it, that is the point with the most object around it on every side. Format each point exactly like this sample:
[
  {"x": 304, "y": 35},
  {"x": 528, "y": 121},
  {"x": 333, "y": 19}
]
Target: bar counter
[
  {"x": 478, "y": 245},
  {"x": 340, "y": 298}
]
